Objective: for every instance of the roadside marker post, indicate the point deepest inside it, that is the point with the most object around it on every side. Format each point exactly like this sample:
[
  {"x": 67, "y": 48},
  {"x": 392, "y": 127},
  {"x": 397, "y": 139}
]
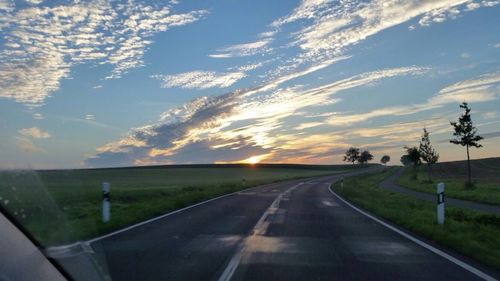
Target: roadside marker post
[
  {"x": 106, "y": 203},
  {"x": 440, "y": 203},
  {"x": 342, "y": 181}
]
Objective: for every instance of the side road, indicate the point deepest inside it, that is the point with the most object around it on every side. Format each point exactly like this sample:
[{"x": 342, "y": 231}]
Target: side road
[{"x": 389, "y": 184}]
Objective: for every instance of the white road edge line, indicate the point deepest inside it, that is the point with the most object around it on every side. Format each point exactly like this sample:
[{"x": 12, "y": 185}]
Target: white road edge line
[{"x": 454, "y": 260}]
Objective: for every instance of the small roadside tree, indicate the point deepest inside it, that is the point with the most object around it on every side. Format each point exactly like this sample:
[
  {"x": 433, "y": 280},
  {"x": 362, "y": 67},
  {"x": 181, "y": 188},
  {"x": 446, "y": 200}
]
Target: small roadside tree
[
  {"x": 352, "y": 155},
  {"x": 364, "y": 157},
  {"x": 385, "y": 159},
  {"x": 466, "y": 135},
  {"x": 427, "y": 153},
  {"x": 413, "y": 155},
  {"x": 405, "y": 160}
]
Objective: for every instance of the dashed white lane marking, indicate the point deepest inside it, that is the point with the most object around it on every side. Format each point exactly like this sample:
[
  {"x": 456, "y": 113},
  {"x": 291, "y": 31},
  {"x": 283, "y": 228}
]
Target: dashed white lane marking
[
  {"x": 259, "y": 229},
  {"x": 454, "y": 260},
  {"x": 329, "y": 203}
]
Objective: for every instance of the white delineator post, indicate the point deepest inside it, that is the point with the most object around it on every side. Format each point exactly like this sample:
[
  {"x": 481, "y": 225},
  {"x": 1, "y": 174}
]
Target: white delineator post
[
  {"x": 342, "y": 181},
  {"x": 106, "y": 203},
  {"x": 440, "y": 203}
]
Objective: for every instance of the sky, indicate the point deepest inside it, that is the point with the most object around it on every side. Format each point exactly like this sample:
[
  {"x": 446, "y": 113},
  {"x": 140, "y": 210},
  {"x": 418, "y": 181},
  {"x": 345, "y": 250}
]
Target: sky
[{"x": 102, "y": 83}]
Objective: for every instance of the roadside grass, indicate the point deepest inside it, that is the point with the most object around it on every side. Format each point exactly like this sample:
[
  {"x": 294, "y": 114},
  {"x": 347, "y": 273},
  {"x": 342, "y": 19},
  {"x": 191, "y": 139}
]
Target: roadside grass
[
  {"x": 472, "y": 233},
  {"x": 64, "y": 206},
  {"x": 454, "y": 187}
]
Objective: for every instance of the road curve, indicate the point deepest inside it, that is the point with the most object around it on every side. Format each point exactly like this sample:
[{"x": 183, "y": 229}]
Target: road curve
[{"x": 284, "y": 231}]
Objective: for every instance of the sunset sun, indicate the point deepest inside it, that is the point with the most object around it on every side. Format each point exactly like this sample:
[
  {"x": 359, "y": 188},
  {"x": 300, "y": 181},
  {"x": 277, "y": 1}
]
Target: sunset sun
[{"x": 252, "y": 160}]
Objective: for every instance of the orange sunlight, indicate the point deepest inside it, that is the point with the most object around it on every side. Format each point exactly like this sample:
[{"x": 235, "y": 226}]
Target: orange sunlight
[{"x": 252, "y": 160}]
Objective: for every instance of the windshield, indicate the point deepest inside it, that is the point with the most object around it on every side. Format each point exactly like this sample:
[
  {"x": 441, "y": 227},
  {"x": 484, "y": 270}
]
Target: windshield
[{"x": 245, "y": 140}]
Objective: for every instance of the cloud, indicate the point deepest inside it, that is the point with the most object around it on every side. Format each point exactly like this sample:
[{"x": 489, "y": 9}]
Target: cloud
[
  {"x": 250, "y": 67},
  {"x": 43, "y": 43},
  {"x": 273, "y": 83},
  {"x": 34, "y": 132},
  {"x": 401, "y": 132},
  {"x": 490, "y": 115},
  {"x": 24, "y": 141},
  {"x": 175, "y": 129},
  {"x": 485, "y": 80},
  {"x": 209, "y": 79},
  {"x": 480, "y": 89},
  {"x": 27, "y": 145},
  {"x": 308, "y": 125},
  {"x": 243, "y": 50},
  {"x": 38, "y": 116},
  {"x": 89, "y": 117},
  {"x": 200, "y": 79},
  {"x": 266, "y": 34},
  {"x": 491, "y": 135},
  {"x": 327, "y": 29},
  {"x": 307, "y": 9},
  {"x": 472, "y": 6},
  {"x": 452, "y": 10},
  {"x": 34, "y": 2},
  {"x": 241, "y": 120},
  {"x": 6, "y": 6}
]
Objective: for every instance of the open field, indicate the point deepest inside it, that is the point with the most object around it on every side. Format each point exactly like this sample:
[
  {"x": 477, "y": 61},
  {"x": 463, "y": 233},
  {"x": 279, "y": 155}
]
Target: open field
[
  {"x": 472, "y": 233},
  {"x": 63, "y": 206},
  {"x": 485, "y": 172}
]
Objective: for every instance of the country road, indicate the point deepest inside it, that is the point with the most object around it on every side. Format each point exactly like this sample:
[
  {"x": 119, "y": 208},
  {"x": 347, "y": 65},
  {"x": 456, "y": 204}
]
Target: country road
[{"x": 295, "y": 230}]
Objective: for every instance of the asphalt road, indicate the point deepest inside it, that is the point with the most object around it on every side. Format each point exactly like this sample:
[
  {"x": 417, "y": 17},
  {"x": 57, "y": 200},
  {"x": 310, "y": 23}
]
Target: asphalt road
[{"x": 286, "y": 231}]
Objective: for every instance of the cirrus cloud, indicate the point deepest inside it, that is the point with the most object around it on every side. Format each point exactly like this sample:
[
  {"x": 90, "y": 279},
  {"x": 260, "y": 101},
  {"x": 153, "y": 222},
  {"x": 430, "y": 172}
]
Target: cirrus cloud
[
  {"x": 200, "y": 79},
  {"x": 240, "y": 121},
  {"x": 327, "y": 29},
  {"x": 243, "y": 50},
  {"x": 481, "y": 89},
  {"x": 42, "y": 43}
]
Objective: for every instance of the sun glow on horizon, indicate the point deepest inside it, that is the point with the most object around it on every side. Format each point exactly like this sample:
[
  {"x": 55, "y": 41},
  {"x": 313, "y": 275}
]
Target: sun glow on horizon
[{"x": 252, "y": 160}]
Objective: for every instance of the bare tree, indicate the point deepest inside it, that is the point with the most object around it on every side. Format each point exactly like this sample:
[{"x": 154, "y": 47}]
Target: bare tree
[{"x": 466, "y": 135}]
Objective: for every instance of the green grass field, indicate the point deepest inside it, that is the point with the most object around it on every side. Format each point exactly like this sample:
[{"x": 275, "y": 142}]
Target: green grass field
[
  {"x": 486, "y": 191},
  {"x": 64, "y": 206},
  {"x": 474, "y": 234}
]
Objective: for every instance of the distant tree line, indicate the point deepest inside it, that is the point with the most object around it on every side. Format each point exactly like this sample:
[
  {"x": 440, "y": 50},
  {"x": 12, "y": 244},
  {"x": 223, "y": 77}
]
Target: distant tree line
[
  {"x": 465, "y": 134},
  {"x": 354, "y": 155}
]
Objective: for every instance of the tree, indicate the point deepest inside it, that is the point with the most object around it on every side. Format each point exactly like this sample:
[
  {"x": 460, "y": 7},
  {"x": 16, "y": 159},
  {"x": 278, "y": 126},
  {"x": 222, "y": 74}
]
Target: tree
[
  {"x": 351, "y": 155},
  {"x": 427, "y": 152},
  {"x": 466, "y": 135},
  {"x": 405, "y": 160},
  {"x": 413, "y": 155},
  {"x": 385, "y": 159},
  {"x": 365, "y": 157}
]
